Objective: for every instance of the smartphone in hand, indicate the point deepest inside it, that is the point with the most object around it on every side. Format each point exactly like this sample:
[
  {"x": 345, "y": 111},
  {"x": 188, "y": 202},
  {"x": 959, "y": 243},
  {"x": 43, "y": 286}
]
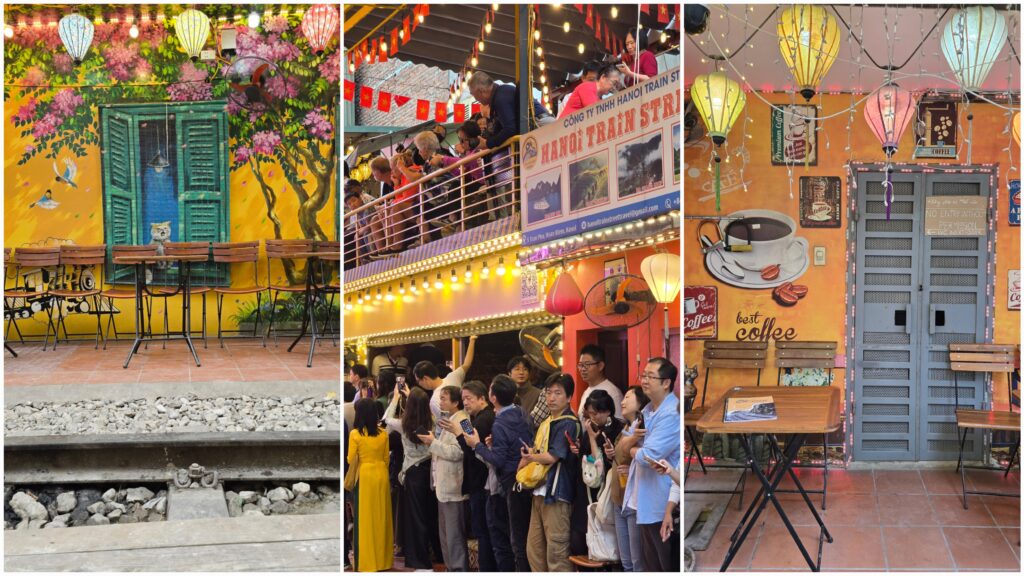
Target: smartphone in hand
[
  {"x": 421, "y": 431},
  {"x": 466, "y": 426},
  {"x": 658, "y": 466},
  {"x": 640, "y": 421}
]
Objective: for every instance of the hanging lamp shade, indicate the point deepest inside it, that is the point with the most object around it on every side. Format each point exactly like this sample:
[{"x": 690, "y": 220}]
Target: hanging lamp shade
[
  {"x": 1016, "y": 127},
  {"x": 809, "y": 42},
  {"x": 661, "y": 271},
  {"x": 971, "y": 42},
  {"x": 319, "y": 24},
  {"x": 888, "y": 111},
  {"x": 193, "y": 29},
  {"x": 719, "y": 100},
  {"x": 76, "y": 33},
  {"x": 564, "y": 298}
]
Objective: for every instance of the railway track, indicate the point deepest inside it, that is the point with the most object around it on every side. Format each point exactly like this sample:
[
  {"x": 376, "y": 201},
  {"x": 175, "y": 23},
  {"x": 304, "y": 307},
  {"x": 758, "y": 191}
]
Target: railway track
[{"x": 234, "y": 456}]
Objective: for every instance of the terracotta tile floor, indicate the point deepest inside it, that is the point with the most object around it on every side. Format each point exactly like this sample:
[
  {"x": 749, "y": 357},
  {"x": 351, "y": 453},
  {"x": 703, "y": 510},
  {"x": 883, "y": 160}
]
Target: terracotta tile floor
[
  {"x": 239, "y": 360},
  {"x": 895, "y": 520}
]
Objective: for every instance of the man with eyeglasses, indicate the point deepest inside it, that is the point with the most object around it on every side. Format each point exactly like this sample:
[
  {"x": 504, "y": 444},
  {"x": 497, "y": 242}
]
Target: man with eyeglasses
[
  {"x": 649, "y": 494},
  {"x": 591, "y": 369}
]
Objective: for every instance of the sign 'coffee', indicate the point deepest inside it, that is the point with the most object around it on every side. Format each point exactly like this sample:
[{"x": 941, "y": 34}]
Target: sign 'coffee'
[{"x": 757, "y": 328}]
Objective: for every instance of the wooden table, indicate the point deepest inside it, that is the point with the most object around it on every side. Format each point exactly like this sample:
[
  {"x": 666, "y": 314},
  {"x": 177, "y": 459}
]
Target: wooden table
[
  {"x": 184, "y": 288},
  {"x": 801, "y": 411},
  {"x": 309, "y": 320}
]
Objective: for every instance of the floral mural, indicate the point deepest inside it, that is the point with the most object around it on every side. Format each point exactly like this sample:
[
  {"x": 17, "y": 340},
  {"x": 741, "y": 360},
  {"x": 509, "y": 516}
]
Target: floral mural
[{"x": 57, "y": 113}]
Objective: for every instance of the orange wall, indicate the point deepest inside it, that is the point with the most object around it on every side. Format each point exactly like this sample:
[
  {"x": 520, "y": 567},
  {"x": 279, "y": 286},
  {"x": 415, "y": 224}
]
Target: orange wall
[
  {"x": 821, "y": 315},
  {"x": 644, "y": 341}
]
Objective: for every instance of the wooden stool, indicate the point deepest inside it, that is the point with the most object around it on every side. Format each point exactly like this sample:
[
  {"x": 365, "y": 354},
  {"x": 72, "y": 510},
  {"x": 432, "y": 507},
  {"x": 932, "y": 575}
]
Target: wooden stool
[
  {"x": 808, "y": 354},
  {"x": 990, "y": 359}
]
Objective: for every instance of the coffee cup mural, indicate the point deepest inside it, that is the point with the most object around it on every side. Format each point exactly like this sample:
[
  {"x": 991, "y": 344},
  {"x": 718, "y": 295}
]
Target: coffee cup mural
[{"x": 776, "y": 256}]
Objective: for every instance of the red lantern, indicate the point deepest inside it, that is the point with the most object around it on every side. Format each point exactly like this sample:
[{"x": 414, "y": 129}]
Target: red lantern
[
  {"x": 888, "y": 111},
  {"x": 319, "y": 25},
  {"x": 564, "y": 298}
]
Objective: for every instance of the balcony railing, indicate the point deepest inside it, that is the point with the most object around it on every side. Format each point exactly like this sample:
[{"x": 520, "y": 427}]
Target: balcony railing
[{"x": 480, "y": 188}]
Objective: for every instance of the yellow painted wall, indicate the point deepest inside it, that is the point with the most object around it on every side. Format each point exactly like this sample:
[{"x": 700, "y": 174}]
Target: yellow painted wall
[
  {"x": 79, "y": 218},
  {"x": 821, "y": 315}
]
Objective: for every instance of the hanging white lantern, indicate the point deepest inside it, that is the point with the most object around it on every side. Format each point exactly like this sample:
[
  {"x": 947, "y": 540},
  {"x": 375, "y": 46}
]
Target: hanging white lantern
[
  {"x": 971, "y": 42},
  {"x": 193, "y": 30},
  {"x": 662, "y": 273},
  {"x": 76, "y": 33}
]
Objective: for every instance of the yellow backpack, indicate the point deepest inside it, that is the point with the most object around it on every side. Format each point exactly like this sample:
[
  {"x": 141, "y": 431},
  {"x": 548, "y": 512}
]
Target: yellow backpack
[{"x": 533, "y": 474}]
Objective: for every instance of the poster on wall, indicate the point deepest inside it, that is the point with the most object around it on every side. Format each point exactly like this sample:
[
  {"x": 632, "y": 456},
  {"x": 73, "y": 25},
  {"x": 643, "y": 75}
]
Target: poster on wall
[
  {"x": 820, "y": 201},
  {"x": 1014, "y": 202},
  {"x": 604, "y": 165},
  {"x": 700, "y": 312},
  {"x": 794, "y": 135},
  {"x": 955, "y": 216},
  {"x": 676, "y": 153},
  {"x": 1013, "y": 287},
  {"x": 935, "y": 130}
]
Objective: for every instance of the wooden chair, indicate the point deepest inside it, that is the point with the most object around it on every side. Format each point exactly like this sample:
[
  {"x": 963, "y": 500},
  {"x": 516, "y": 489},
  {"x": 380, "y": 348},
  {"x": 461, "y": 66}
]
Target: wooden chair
[
  {"x": 73, "y": 261},
  {"x": 990, "y": 359},
  {"x": 114, "y": 280},
  {"x": 283, "y": 250},
  {"x": 47, "y": 260},
  {"x": 808, "y": 354},
  {"x": 238, "y": 253},
  {"x": 730, "y": 355},
  {"x": 186, "y": 249}
]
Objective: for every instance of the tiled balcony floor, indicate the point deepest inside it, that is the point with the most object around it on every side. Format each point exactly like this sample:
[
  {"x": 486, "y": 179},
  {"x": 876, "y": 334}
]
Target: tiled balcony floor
[
  {"x": 899, "y": 520},
  {"x": 239, "y": 360}
]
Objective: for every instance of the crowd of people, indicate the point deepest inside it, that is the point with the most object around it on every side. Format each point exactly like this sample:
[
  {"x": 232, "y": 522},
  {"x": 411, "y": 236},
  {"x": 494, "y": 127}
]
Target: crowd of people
[
  {"x": 436, "y": 460},
  {"x": 479, "y": 189}
]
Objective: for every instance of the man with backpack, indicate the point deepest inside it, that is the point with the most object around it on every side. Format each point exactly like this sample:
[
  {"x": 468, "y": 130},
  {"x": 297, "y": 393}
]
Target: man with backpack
[{"x": 551, "y": 468}]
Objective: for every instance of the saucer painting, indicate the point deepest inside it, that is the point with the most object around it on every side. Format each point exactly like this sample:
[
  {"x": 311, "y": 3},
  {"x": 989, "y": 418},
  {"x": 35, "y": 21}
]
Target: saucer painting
[
  {"x": 820, "y": 201},
  {"x": 794, "y": 266}
]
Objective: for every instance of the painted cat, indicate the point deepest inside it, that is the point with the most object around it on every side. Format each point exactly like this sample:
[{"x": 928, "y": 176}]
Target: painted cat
[{"x": 160, "y": 232}]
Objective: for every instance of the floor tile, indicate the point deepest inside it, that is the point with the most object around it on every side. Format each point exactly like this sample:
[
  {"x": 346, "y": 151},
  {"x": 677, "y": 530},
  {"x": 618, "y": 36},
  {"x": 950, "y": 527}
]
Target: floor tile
[
  {"x": 1013, "y": 539},
  {"x": 905, "y": 510},
  {"x": 854, "y": 547},
  {"x": 898, "y": 482},
  {"x": 850, "y": 481},
  {"x": 949, "y": 511},
  {"x": 980, "y": 549},
  {"x": 1004, "y": 510},
  {"x": 711, "y": 559},
  {"x": 921, "y": 548},
  {"x": 776, "y": 549},
  {"x": 851, "y": 510},
  {"x": 795, "y": 508},
  {"x": 943, "y": 481}
]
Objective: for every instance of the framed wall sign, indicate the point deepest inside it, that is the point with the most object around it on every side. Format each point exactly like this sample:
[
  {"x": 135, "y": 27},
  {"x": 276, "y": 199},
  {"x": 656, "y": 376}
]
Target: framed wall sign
[
  {"x": 1014, "y": 202},
  {"x": 820, "y": 201},
  {"x": 700, "y": 312},
  {"x": 794, "y": 135},
  {"x": 935, "y": 129},
  {"x": 1013, "y": 289}
]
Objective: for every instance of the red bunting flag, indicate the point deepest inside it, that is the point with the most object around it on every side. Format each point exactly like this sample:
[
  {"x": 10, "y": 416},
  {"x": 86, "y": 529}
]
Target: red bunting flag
[
  {"x": 405, "y": 31},
  {"x": 607, "y": 43},
  {"x": 645, "y": 8},
  {"x": 590, "y": 16},
  {"x": 365, "y": 96},
  {"x": 394, "y": 42},
  {"x": 401, "y": 100},
  {"x": 384, "y": 101},
  {"x": 350, "y": 90},
  {"x": 383, "y": 52},
  {"x": 373, "y": 51},
  {"x": 422, "y": 109},
  {"x": 460, "y": 113},
  {"x": 663, "y": 13},
  {"x": 425, "y": 10},
  {"x": 579, "y": 8},
  {"x": 597, "y": 25},
  {"x": 677, "y": 16},
  {"x": 474, "y": 108},
  {"x": 415, "y": 17},
  {"x": 440, "y": 112}
]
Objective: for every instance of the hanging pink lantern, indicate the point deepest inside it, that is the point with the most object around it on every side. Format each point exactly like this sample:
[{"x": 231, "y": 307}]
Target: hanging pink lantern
[
  {"x": 319, "y": 25},
  {"x": 564, "y": 298},
  {"x": 888, "y": 112}
]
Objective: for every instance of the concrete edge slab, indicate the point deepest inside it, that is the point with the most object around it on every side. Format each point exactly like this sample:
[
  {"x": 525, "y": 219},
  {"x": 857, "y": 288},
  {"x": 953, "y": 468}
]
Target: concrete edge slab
[{"x": 133, "y": 391}]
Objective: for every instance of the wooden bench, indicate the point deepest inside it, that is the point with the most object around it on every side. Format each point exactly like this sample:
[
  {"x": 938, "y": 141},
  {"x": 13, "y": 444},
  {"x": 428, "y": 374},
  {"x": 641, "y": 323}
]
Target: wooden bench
[
  {"x": 807, "y": 354},
  {"x": 987, "y": 359}
]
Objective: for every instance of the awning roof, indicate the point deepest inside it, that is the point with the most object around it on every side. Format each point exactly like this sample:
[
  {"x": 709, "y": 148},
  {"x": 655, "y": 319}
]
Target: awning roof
[{"x": 446, "y": 37}]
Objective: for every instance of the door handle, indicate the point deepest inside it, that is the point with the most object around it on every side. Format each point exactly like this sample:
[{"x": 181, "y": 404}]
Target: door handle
[
  {"x": 936, "y": 318},
  {"x": 902, "y": 317}
]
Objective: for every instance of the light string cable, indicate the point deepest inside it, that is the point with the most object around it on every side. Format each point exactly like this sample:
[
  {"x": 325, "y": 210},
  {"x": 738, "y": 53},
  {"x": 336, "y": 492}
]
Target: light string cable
[{"x": 897, "y": 75}]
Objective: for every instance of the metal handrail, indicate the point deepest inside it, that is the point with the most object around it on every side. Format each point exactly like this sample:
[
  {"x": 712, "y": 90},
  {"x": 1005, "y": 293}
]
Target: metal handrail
[{"x": 468, "y": 194}]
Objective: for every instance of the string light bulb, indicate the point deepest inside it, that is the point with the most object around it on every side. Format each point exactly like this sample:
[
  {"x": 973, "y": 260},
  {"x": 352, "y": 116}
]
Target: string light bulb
[
  {"x": 454, "y": 277},
  {"x": 426, "y": 283},
  {"x": 501, "y": 266},
  {"x": 664, "y": 37},
  {"x": 469, "y": 272},
  {"x": 391, "y": 295},
  {"x": 540, "y": 51},
  {"x": 360, "y": 299},
  {"x": 420, "y": 18},
  {"x": 485, "y": 271},
  {"x": 487, "y": 27},
  {"x": 401, "y": 288},
  {"x": 615, "y": 12},
  {"x": 581, "y": 48},
  {"x": 480, "y": 45},
  {"x": 473, "y": 61},
  {"x": 133, "y": 32},
  {"x": 536, "y": 34},
  {"x": 254, "y": 19},
  {"x": 348, "y": 303},
  {"x": 565, "y": 27},
  {"x": 542, "y": 66},
  {"x": 438, "y": 283},
  {"x": 379, "y": 295}
]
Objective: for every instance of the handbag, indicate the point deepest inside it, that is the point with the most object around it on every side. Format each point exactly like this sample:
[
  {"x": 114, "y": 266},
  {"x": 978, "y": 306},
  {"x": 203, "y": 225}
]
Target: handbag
[{"x": 602, "y": 541}]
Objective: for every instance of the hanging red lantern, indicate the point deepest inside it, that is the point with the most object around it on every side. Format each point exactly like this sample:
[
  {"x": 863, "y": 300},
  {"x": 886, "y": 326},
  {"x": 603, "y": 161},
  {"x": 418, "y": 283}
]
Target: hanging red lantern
[
  {"x": 564, "y": 298},
  {"x": 888, "y": 111},
  {"x": 319, "y": 25}
]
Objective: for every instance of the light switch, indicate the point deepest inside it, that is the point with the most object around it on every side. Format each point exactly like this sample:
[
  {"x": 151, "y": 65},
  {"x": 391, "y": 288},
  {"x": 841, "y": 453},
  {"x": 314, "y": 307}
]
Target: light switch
[{"x": 819, "y": 255}]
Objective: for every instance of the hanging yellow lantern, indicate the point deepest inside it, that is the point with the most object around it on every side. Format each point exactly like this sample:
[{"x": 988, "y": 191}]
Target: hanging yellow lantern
[
  {"x": 719, "y": 100},
  {"x": 193, "y": 29},
  {"x": 809, "y": 42},
  {"x": 1016, "y": 127}
]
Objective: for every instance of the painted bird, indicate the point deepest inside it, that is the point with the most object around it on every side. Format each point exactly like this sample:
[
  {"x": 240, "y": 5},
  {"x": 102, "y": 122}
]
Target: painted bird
[
  {"x": 70, "y": 172},
  {"x": 46, "y": 201}
]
